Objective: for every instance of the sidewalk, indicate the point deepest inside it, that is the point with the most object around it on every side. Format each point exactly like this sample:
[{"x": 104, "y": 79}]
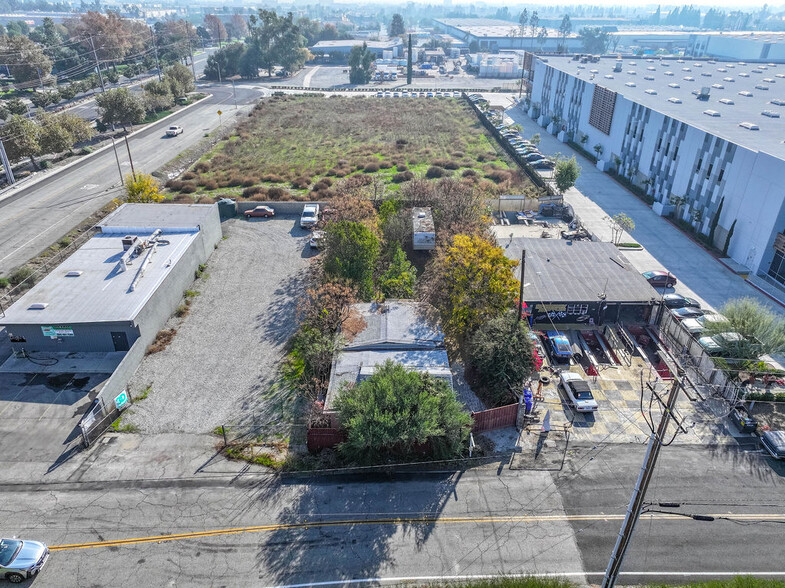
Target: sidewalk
[{"x": 596, "y": 196}]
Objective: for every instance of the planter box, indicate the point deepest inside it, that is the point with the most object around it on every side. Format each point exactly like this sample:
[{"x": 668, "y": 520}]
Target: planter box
[
  {"x": 541, "y": 120},
  {"x": 563, "y": 136},
  {"x": 662, "y": 208},
  {"x": 603, "y": 165}
]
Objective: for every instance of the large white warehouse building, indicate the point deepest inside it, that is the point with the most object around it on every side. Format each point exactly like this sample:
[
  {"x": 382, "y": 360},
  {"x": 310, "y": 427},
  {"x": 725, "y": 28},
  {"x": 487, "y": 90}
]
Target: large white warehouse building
[{"x": 703, "y": 139}]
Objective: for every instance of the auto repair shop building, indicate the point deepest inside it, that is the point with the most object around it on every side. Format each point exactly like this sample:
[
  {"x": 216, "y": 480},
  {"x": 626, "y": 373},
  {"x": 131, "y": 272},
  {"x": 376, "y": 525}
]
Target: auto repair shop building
[
  {"x": 119, "y": 288},
  {"x": 581, "y": 283}
]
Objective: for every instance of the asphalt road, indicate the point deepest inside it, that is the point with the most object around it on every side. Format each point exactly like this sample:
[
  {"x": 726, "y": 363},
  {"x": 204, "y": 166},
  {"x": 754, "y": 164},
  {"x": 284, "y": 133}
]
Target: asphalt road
[
  {"x": 238, "y": 531},
  {"x": 36, "y": 216}
]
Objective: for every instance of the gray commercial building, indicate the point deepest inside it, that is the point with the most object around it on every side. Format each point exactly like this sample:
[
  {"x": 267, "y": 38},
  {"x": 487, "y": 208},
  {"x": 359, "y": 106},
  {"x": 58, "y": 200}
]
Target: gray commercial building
[
  {"x": 492, "y": 35},
  {"x": 118, "y": 289}
]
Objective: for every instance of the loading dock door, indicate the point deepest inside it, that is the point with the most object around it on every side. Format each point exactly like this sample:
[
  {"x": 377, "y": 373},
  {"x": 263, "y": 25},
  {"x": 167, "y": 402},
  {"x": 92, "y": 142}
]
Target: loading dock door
[{"x": 120, "y": 340}]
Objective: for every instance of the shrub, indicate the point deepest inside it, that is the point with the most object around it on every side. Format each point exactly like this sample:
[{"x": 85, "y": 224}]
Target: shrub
[
  {"x": 498, "y": 175},
  {"x": 248, "y": 181},
  {"x": 469, "y": 173},
  {"x": 253, "y": 191},
  {"x": 45, "y": 164},
  {"x": 385, "y": 164},
  {"x": 272, "y": 178},
  {"x": 276, "y": 193},
  {"x": 402, "y": 167},
  {"x": 85, "y": 151},
  {"x": 174, "y": 185},
  {"x": 399, "y": 143},
  {"x": 202, "y": 167},
  {"x": 188, "y": 176},
  {"x": 183, "y": 199},
  {"x": 327, "y": 182},
  {"x": 162, "y": 340},
  {"x": 209, "y": 184},
  {"x": 188, "y": 188},
  {"x": 206, "y": 200},
  {"x": 301, "y": 183},
  {"x": 371, "y": 167},
  {"x": 235, "y": 180},
  {"x": 402, "y": 177},
  {"x": 320, "y": 187},
  {"x": 20, "y": 275},
  {"x": 435, "y": 172}
]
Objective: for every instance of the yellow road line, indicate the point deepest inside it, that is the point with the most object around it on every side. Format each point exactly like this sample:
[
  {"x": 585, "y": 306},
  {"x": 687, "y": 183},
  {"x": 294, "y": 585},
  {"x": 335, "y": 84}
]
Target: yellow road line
[{"x": 395, "y": 521}]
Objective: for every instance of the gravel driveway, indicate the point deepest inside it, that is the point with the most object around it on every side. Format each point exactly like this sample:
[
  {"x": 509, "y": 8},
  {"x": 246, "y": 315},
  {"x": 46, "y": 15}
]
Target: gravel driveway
[{"x": 222, "y": 364}]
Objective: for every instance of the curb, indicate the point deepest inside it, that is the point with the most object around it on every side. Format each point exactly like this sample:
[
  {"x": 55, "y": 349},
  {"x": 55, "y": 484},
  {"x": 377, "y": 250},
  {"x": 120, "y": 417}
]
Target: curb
[{"x": 19, "y": 186}]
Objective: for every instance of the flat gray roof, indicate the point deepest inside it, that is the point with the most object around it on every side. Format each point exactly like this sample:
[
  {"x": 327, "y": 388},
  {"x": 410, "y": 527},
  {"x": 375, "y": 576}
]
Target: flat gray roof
[
  {"x": 141, "y": 217},
  {"x": 100, "y": 293},
  {"x": 691, "y": 75},
  {"x": 489, "y": 27},
  {"x": 352, "y": 42},
  {"x": 558, "y": 271}
]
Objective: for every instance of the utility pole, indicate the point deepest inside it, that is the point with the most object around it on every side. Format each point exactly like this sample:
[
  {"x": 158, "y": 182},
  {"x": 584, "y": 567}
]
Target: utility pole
[
  {"x": 409, "y": 63},
  {"x": 128, "y": 148},
  {"x": 636, "y": 501},
  {"x": 103, "y": 89},
  {"x": 235, "y": 95},
  {"x": 97, "y": 65},
  {"x": 190, "y": 52},
  {"x": 9, "y": 173},
  {"x": 155, "y": 47},
  {"x": 523, "y": 276},
  {"x": 117, "y": 158}
]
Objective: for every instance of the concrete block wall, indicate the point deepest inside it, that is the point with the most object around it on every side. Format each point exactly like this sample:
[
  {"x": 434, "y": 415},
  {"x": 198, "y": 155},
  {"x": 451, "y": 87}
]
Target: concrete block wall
[{"x": 282, "y": 207}]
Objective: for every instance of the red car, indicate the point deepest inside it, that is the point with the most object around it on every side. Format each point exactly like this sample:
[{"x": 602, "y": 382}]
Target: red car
[
  {"x": 660, "y": 279},
  {"x": 260, "y": 212}
]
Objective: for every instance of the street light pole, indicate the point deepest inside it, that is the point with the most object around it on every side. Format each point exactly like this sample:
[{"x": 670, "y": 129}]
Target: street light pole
[
  {"x": 234, "y": 91},
  {"x": 155, "y": 46}
]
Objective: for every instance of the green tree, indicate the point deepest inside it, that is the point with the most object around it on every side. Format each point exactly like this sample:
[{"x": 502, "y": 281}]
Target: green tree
[
  {"x": 534, "y": 22},
  {"x": 565, "y": 28},
  {"x": 16, "y": 106},
  {"x": 120, "y": 106},
  {"x": 142, "y": 188},
  {"x": 542, "y": 37},
  {"x": 157, "y": 96},
  {"x": 523, "y": 21},
  {"x": 180, "y": 80},
  {"x": 59, "y": 132},
  {"x": 501, "y": 353},
  {"x": 397, "y": 27},
  {"x": 226, "y": 62},
  {"x": 25, "y": 59},
  {"x": 395, "y": 412},
  {"x": 762, "y": 329},
  {"x": 620, "y": 223},
  {"x": 277, "y": 39},
  {"x": 20, "y": 138},
  {"x": 399, "y": 279},
  {"x": 360, "y": 61},
  {"x": 595, "y": 40},
  {"x": 470, "y": 281},
  {"x": 566, "y": 174},
  {"x": 351, "y": 252}
]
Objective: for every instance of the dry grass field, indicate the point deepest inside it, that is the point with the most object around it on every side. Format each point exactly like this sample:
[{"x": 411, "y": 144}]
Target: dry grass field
[{"x": 298, "y": 147}]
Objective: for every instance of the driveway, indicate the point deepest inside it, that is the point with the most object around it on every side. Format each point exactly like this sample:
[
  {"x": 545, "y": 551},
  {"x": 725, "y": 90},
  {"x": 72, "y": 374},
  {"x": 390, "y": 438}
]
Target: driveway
[
  {"x": 222, "y": 365},
  {"x": 596, "y": 196}
]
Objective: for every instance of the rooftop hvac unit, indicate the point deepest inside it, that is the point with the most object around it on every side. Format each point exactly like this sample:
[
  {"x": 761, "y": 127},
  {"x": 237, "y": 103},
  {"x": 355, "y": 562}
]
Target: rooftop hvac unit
[
  {"x": 129, "y": 241},
  {"x": 704, "y": 93}
]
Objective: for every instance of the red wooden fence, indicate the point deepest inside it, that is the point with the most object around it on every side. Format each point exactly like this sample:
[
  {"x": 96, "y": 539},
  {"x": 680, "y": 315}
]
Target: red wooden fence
[
  {"x": 319, "y": 439},
  {"x": 495, "y": 418}
]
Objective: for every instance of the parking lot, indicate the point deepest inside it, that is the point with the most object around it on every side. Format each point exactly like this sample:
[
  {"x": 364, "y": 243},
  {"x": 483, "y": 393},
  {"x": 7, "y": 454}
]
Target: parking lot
[{"x": 221, "y": 367}]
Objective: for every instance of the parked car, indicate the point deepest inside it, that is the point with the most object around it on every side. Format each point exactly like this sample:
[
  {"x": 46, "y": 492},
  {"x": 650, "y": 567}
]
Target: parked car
[
  {"x": 774, "y": 443},
  {"x": 317, "y": 240},
  {"x": 20, "y": 560},
  {"x": 710, "y": 318},
  {"x": 531, "y": 157},
  {"x": 679, "y": 301},
  {"x": 543, "y": 164},
  {"x": 559, "y": 345},
  {"x": 310, "y": 216},
  {"x": 717, "y": 344},
  {"x": 578, "y": 391},
  {"x": 685, "y": 313},
  {"x": 659, "y": 278},
  {"x": 693, "y": 325},
  {"x": 744, "y": 422},
  {"x": 260, "y": 212},
  {"x": 174, "y": 130}
]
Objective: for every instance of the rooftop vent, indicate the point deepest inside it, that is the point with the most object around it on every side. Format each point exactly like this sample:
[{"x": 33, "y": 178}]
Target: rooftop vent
[
  {"x": 743, "y": 74},
  {"x": 757, "y": 71},
  {"x": 632, "y": 73},
  {"x": 608, "y": 77},
  {"x": 728, "y": 80},
  {"x": 749, "y": 126},
  {"x": 721, "y": 69},
  {"x": 630, "y": 84},
  {"x": 594, "y": 71},
  {"x": 129, "y": 241},
  {"x": 38, "y": 306},
  {"x": 689, "y": 79},
  {"x": 770, "y": 114},
  {"x": 712, "y": 113},
  {"x": 674, "y": 100},
  {"x": 685, "y": 69},
  {"x": 760, "y": 87},
  {"x": 730, "y": 66},
  {"x": 770, "y": 80},
  {"x": 673, "y": 85},
  {"x": 705, "y": 74},
  {"x": 679, "y": 61},
  {"x": 742, "y": 63},
  {"x": 74, "y": 274},
  {"x": 668, "y": 73},
  {"x": 718, "y": 86},
  {"x": 726, "y": 101},
  {"x": 650, "y": 68},
  {"x": 771, "y": 65},
  {"x": 651, "y": 92},
  {"x": 777, "y": 101},
  {"x": 745, "y": 93},
  {"x": 780, "y": 75},
  {"x": 763, "y": 67}
]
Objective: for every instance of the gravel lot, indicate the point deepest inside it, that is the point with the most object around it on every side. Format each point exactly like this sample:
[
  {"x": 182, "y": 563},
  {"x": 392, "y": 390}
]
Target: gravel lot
[{"x": 222, "y": 364}]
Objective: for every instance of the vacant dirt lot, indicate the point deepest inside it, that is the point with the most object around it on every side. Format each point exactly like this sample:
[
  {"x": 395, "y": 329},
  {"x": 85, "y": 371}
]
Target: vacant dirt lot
[{"x": 222, "y": 364}]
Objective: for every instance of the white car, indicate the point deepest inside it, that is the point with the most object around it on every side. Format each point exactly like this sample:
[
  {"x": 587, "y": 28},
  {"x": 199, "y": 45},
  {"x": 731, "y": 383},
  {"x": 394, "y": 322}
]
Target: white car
[
  {"x": 310, "y": 216},
  {"x": 578, "y": 391},
  {"x": 174, "y": 130}
]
